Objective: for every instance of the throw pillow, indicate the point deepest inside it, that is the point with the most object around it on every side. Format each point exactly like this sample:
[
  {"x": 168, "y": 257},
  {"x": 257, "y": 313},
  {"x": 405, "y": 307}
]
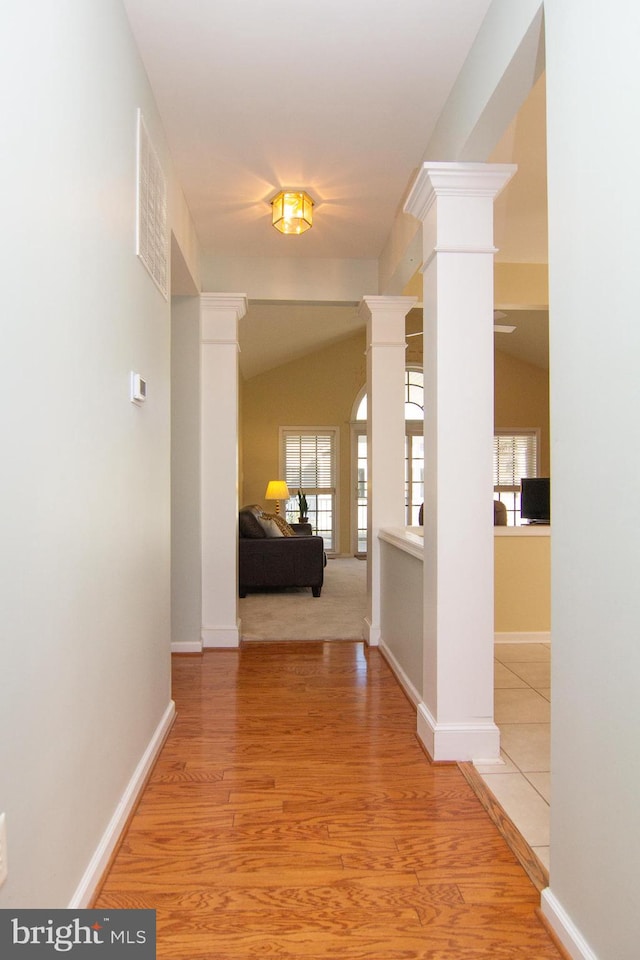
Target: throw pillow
[
  {"x": 287, "y": 530},
  {"x": 271, "y": 529},
  {"x": 274, "y": 525}
]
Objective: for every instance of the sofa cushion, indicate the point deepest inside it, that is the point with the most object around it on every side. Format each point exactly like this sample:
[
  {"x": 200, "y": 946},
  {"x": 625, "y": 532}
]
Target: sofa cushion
[{"x": 249, "y": 525}]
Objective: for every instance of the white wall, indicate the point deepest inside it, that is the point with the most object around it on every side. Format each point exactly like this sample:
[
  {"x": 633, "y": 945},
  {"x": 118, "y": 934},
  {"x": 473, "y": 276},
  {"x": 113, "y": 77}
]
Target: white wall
[
  {"x": 401, "y": 633},
  {"x": 593, "y": 84},
  {"x": 505, "y": 61},
  {"x": 291, "y": 278},
  {"x": 503, "y": 64},
  {"x": 186, "y": 591},
  {"x": 84, "y": 647}
]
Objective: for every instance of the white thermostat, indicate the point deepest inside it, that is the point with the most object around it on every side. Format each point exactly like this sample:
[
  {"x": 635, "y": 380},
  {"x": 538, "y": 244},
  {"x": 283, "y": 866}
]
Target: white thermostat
[{"x": 138, "y": 388}]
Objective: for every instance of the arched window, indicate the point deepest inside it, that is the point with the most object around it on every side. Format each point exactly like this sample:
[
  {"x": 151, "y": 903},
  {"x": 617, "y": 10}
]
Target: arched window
[
  {"x": 414, "y": 454},
  {"x": 413, "y": 397}
]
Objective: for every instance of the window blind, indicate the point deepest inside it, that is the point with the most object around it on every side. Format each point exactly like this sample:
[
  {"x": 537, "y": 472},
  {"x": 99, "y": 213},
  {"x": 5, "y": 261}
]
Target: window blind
[
  {"x": 515, "y": 456},
  {"x": 309, "y": 459}
]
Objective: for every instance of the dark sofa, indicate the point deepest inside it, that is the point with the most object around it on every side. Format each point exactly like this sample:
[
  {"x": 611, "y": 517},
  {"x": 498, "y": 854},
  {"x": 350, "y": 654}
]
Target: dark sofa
[{"x": 270, "y": 559}]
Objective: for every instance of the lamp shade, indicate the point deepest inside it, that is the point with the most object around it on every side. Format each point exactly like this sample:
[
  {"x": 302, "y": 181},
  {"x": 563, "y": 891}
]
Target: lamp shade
[
  {"x": 292, "y": 211},
  {"x": 277, "y": 490}
]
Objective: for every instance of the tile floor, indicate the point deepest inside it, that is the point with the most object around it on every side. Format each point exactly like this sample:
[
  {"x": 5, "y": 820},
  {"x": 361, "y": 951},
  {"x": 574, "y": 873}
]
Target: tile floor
[{"x": 522, "y": 711}]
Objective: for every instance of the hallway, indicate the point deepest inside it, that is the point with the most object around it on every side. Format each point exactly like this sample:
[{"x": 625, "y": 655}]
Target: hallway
[{"x": 293, "y": 814}]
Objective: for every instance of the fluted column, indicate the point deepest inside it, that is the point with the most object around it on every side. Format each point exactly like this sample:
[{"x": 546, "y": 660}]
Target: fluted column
[
  {"x": 219, "y": 316},
  {"x": 386, "y": 348},
  {"x": 454, "y": 201}
]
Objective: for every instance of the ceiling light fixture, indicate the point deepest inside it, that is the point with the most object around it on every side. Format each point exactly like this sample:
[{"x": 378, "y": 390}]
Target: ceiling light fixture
[{"x": 292, "y": 211}]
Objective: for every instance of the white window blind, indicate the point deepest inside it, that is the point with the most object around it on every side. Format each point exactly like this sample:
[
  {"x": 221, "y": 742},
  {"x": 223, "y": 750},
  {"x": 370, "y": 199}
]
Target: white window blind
[
  {"x": 515, "y": 455},
  {"x": 309, "y": 459}
]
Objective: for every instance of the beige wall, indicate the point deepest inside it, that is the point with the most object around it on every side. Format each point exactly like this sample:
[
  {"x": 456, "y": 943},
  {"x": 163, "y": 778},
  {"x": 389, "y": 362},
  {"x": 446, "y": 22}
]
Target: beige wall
[
  {"x": 522, "y": 582},
  {"x": 522, "y": 400},
  {"x": 524, "y": 284},
  {"x": 318, "y": 390}
]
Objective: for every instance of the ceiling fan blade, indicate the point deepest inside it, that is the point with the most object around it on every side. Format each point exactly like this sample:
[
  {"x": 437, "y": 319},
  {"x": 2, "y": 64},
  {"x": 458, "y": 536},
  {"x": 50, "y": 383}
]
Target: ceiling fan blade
[{"x": 497, "y": 327}]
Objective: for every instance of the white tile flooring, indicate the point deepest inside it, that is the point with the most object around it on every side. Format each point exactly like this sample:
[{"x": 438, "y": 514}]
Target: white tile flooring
[{"x": 522, "y": 711}]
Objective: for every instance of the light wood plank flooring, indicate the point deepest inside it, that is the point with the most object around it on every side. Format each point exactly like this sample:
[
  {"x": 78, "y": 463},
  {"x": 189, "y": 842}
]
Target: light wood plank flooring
[{"x": 293, "y": 814}]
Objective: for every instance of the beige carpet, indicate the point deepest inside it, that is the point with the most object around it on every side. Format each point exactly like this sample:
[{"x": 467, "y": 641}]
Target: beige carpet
[{"x": 295, "y": 614}]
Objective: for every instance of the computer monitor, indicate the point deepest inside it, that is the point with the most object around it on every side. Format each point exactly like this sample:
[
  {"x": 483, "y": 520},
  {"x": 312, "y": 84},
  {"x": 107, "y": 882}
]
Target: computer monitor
[{"x": 535, "y": 500}]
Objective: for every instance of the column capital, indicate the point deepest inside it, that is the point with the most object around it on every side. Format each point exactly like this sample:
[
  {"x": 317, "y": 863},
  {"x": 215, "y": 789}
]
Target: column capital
[
  {"x": 219, "y": 317},
  {"x": 236, "y": 302},
  {"x": 456, "y": 180},
  {"x": 370, "y": 305}
]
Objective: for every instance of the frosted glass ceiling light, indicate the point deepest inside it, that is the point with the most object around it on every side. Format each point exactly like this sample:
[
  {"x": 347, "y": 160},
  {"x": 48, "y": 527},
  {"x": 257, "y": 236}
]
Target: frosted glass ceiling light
[{"x": 292, "y": 212}]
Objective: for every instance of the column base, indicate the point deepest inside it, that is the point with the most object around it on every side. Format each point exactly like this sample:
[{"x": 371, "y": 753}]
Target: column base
[
  {"x": 458, "y": 741},
  {"x": 371, "y": 633},
  {"x": 221, "y": 637}
]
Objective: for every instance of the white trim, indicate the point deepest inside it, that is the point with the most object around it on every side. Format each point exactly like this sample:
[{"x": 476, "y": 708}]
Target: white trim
[
  {"x": 408, "y": 539},
  {"x": 457, "y": 741},
  {"x": 533, "y": 636},
  {"x": 221, "y": 637},
  {"x": 564, "y": 928},
  {"x": 402, "y": 678},
  {"x": 110, "y": 838},
  {"x": 451, "y": 248},
  {"x": 525, "y": 530},
  {"x": 186, "y": 646},
  {"x": 444, "y": 178}
]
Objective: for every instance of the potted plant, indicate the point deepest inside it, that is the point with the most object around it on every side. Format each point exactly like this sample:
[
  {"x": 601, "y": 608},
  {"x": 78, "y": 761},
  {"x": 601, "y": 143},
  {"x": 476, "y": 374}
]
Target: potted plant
[{"x": 302, "y": 508}]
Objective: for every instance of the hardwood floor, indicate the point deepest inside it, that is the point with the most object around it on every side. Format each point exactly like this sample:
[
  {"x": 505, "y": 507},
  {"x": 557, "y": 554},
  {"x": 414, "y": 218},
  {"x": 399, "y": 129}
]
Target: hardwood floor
[{"x": 293, "y": 814}]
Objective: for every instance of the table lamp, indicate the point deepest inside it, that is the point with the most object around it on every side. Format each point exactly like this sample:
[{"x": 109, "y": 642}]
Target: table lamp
[{"x": 277, "y": 490}]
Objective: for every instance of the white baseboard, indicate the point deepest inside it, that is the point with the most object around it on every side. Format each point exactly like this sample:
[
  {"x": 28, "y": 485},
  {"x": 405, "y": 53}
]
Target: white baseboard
[
  {"x": 400, "y": 675},
  {"x": 533, "y": 636},
  {"x": 100, "y": 859},
  {"x": 457, "y": 741},
  {"x": 564, "y": 928},
  {"x": 186, "y": 646},
  {"x": 221, "y": 637},
  {"x": 370, "y": 633}
]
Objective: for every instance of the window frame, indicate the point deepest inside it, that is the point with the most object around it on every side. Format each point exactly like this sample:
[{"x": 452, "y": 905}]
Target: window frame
[
  {"x": 334, "y": 491},
  {"x": 413, "y": 427},
  {"x": 512, "y": 491}
]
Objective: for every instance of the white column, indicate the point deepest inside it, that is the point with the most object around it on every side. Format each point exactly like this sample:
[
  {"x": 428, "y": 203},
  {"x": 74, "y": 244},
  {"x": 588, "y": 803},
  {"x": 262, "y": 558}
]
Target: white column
[
  {"x": 219, "y": 316},
  {"x": 386, "y": 347},
  {"x": 455, "y": 203}
]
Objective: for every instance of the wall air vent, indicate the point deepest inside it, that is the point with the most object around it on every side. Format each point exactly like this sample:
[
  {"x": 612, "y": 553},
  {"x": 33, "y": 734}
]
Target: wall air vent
[{"x": 151, "y": 221}]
